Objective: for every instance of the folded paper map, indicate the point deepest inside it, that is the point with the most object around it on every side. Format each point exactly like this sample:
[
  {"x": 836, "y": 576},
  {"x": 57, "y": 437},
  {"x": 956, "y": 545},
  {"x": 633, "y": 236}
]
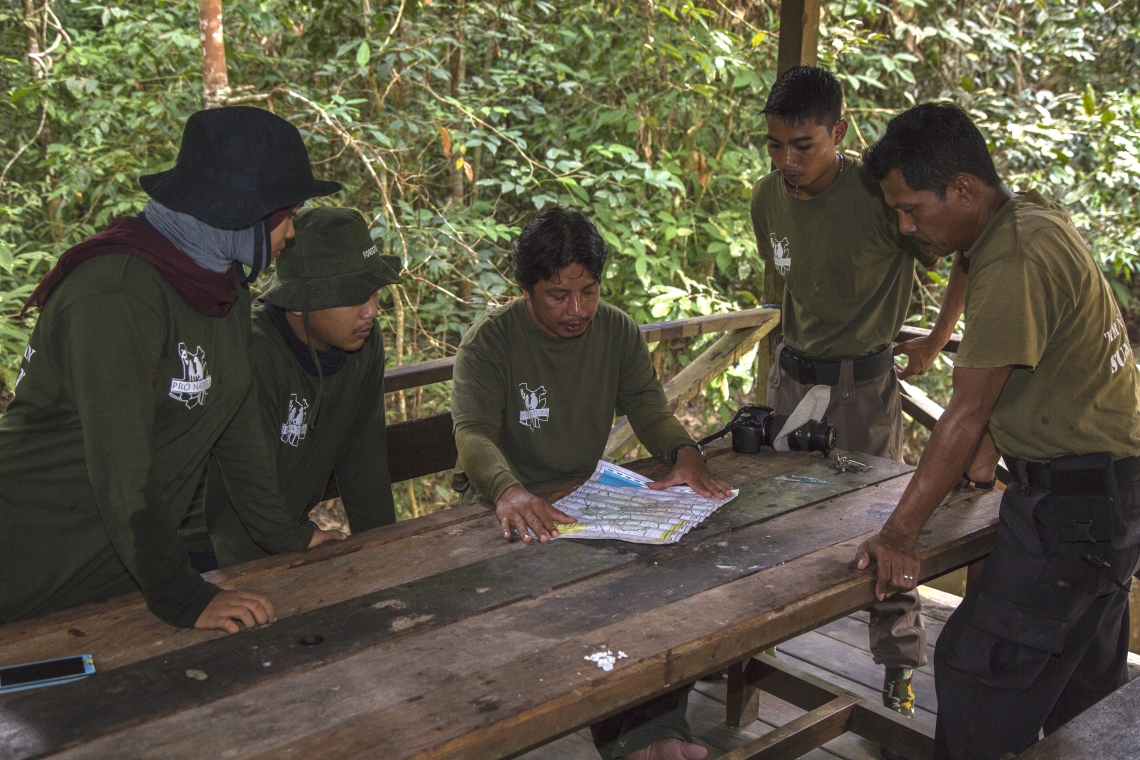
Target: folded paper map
[{"x": 615, "y": 503}]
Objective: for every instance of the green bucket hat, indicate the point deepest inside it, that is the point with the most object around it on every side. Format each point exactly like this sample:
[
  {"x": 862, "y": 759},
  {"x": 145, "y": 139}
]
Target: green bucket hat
[{"x": 330, "y": 262}]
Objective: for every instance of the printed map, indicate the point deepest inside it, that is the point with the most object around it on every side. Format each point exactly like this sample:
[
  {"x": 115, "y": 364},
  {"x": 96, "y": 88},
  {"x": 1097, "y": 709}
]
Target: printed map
[{"x": 615, "y": 504}]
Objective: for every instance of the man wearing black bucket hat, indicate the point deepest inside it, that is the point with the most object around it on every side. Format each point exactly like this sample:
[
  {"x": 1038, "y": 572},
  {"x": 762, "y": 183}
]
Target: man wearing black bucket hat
[
  {"x": 137, "y": 369},
  {"x": 318, "y": 363}
]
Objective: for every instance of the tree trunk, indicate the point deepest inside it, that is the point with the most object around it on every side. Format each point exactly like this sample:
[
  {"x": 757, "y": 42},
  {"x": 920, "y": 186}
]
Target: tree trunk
[
  {"x": 215, "y": 81},
  {"x": 456, "y": 168},
  {"x": 30, "y": 23}
]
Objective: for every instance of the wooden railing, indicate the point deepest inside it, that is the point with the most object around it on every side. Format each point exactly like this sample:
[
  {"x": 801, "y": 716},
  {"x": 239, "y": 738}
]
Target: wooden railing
[{"x": 426, "y": 445}]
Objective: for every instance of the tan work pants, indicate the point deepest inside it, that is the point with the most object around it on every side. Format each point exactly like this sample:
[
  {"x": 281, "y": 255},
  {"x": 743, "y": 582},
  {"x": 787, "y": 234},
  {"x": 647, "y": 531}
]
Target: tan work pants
[{"x": 868, "y": 418}]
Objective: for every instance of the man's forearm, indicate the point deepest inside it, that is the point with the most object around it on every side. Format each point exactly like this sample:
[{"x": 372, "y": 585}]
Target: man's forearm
[
  {"x": 658, "y": 429},
  {"x": 953, "y": 302},
  {"x": 951, "y": 448},
  {"x": 482, "y": 461}
]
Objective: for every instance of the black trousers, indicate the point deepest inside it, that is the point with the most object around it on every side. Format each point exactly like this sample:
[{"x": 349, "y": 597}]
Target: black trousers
[{"x": 1041, "y": 637}]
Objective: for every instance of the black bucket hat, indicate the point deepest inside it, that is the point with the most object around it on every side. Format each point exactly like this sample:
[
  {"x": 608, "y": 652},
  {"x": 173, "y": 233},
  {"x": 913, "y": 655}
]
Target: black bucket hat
[
  {"x": 330, "y": 262},
  {"x": 237, "y": 165}
]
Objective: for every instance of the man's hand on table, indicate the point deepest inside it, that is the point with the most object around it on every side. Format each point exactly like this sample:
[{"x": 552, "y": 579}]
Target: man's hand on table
[
  {"x": 229, "y": 608},
  {"x": 526, "y": 512},
  {"x": 897, "y": 558},
  {"x": 958, "y": 442},
  {"x": 690, "y": 470},
  {"x": 324, "y": 536}
]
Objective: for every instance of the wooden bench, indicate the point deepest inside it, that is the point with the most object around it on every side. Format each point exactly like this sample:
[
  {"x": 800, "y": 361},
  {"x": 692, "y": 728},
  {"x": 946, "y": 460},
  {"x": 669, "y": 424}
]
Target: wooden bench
[{"x": 1109, "y": 730}]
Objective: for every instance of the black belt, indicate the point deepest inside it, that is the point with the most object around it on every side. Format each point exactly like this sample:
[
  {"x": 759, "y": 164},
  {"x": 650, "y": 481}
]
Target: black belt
[
  {"x": 1084, "y": 503},
  {"x": 1040, "y": 475},
  {"x": 807, "y": 371}
]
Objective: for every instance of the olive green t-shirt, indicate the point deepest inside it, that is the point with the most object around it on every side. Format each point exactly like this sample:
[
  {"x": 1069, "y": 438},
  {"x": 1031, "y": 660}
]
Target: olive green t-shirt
[
  {"x": 553, "y": 399},
  {"x": 849, "y": 271},
  {"x": 124, "y": 391},
  {"x": 1037, "y": 300},
  {"x": 348, "y": 440}
]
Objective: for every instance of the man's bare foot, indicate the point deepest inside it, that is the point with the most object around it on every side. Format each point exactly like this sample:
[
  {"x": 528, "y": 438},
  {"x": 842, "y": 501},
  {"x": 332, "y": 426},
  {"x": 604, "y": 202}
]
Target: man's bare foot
[{"x": 669, "y": 749}]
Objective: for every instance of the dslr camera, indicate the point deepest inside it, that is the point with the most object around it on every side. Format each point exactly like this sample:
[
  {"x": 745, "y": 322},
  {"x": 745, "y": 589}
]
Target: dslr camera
[{"x": 755, "y": 426}]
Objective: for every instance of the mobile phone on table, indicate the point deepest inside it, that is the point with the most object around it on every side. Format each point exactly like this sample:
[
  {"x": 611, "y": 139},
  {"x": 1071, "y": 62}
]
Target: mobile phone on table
[{"x": 32, "y": 675}]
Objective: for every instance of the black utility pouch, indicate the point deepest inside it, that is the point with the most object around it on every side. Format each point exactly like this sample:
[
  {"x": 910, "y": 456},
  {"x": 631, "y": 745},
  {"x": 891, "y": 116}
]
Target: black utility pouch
[{"x": 1083, "y": 495}]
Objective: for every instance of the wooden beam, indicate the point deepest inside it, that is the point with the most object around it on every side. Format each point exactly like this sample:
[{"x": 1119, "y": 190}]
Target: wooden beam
[
  {"x": 420, "y": 373},
  {"x": 909, "y": 332},
  {"x": 694, "y": 326},
  {"x": 421, "y": 447},
  {"x": 869, "y": 720},
  {"x": 807, "y": 732},
  {"x": 919, "y": 406},
  {"x": 718, "y": 357},
  {"x": 799, "y": 34}
]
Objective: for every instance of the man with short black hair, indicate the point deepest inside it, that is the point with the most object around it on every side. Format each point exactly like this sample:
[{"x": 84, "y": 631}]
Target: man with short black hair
[
  {"x": 849, "y": 279},
  {"x": 1046, "y": 376},
  {"x": 537, "y": 383},
  {"x": 318, "y": 365}
]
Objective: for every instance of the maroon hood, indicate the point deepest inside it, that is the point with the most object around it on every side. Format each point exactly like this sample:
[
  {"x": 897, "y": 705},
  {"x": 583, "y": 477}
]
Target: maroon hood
[{"x": 210, "y": 293}]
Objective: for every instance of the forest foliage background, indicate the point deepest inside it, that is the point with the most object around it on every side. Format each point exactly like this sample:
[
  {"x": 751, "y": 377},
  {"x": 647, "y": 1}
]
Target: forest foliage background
[{"x": 451, "y": 123}]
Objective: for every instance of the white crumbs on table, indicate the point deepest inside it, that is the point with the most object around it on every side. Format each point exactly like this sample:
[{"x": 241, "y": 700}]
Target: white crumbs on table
[{"x": 606, "y": 659}]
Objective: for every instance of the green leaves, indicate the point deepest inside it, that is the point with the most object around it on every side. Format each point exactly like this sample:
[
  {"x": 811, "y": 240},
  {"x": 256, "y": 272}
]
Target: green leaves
[{"x": 363, "y": 54}]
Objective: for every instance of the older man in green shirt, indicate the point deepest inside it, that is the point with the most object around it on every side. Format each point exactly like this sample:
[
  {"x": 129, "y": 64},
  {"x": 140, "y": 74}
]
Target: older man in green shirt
[
  {"x": 1045, "y": 375},
  {"x": 318, "y": 366},
  {"x": 537, "y": 383}
]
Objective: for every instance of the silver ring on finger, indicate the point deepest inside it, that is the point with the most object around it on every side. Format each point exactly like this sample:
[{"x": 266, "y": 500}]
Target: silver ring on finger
[{"x": 908, "y": 577}]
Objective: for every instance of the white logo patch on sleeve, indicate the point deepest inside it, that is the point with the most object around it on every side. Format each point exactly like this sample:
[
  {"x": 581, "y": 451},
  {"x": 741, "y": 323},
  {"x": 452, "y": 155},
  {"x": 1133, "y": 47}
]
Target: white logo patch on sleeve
[
  {"x": 535, "y": 403},
  {"x": 191, "y": 388},
  {"x": 781, "y": 253},
  {"x": 294, "y": 428},
  {"x": 27, "y": 359}
]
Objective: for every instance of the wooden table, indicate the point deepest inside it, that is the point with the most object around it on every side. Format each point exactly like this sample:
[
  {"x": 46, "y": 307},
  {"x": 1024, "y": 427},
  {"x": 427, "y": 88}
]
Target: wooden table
[
  {"x": 434, "y": 637},
  {"x": 1109, "y": 730}
]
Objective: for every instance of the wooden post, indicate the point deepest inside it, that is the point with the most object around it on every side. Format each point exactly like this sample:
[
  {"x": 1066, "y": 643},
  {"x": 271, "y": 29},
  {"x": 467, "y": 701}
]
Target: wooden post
[
  {"x": 799, "y": 43},
  {"x": 799, "y": 34},
  {"x": 215, "y": 81}
]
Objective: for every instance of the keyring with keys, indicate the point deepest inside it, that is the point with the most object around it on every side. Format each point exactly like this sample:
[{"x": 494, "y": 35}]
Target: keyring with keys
[{"x": 845, "y": 463}]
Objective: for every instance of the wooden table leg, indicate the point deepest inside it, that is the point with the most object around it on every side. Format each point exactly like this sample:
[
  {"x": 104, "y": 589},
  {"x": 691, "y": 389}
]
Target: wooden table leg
[{"x": 743, "y": 702}]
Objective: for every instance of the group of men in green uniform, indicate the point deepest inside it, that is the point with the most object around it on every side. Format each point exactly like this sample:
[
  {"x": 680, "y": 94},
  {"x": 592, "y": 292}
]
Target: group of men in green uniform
[{"x": 163, "y": 425}]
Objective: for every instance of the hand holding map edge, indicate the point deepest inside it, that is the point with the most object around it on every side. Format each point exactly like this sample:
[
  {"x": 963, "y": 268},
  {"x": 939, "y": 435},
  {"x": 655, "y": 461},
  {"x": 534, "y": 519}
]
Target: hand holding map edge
[
  {"x": 690, "y": 470},
  {"x": 526, "y": 512}
]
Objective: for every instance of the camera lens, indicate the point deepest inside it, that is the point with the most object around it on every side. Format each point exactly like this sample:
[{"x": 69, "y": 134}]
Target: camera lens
[{"x": 815, "y": 435}]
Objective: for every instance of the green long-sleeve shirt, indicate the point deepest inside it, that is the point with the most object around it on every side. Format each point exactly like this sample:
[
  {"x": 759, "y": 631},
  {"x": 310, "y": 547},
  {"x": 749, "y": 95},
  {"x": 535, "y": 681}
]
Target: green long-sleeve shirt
[
  {"x": 531, "y": 407},
  {"x": 124, "y": 391},
  {"x": 349, "y": 440}
]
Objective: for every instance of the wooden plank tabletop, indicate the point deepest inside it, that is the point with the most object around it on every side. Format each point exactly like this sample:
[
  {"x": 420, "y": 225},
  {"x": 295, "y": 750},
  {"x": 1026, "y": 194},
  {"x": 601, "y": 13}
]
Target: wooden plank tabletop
[
  {"x": 435, "y": 638},
  {"x": 1109, "y": 730}
]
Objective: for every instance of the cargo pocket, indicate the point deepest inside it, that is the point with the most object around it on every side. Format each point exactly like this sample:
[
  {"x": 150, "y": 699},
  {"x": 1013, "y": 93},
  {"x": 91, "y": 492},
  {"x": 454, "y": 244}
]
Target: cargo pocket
[
  {"x": 1015, "y": 623},
  {"x": 1006, "y": 645}
]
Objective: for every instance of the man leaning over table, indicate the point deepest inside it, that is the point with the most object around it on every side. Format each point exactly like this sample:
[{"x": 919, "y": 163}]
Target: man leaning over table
[
  {"x": 1046, "y": 376},
  {"x": 537, "y": 384},
  {"x": 318, "y": 366}
]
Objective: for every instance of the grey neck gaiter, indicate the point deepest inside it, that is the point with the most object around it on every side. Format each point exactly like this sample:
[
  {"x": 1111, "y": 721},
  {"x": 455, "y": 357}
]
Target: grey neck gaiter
[{"x": 211, "y": 247}]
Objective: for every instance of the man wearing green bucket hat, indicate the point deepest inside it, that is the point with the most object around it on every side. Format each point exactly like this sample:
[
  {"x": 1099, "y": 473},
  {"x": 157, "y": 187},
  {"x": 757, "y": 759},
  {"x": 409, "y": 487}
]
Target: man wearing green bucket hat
[{"x": 318, "y": 363}]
